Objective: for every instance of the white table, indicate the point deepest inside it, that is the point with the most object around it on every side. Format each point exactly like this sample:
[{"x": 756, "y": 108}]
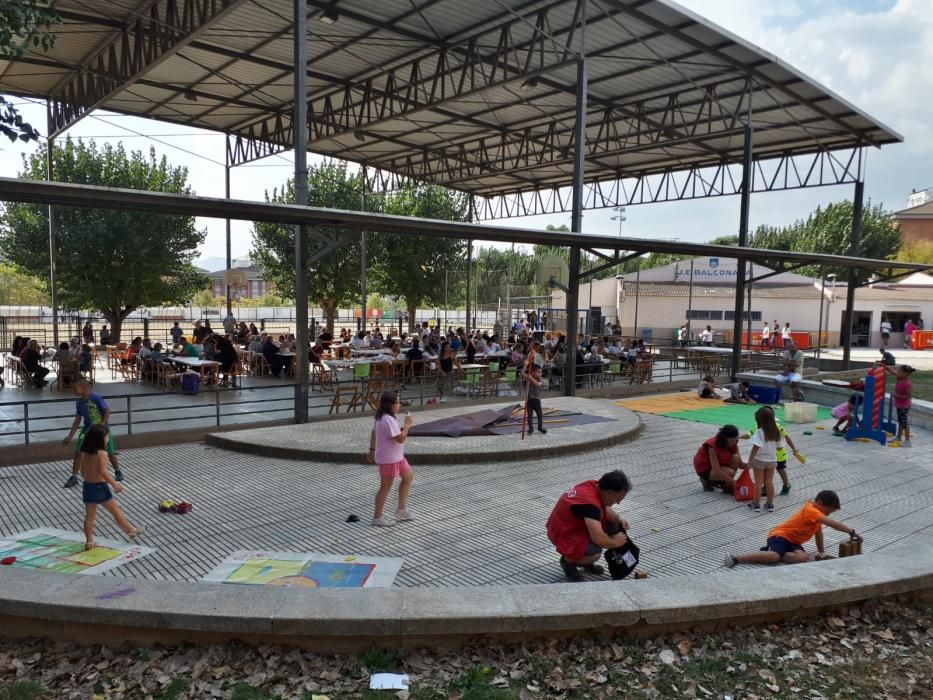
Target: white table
[{"x": 195, "y": 363}]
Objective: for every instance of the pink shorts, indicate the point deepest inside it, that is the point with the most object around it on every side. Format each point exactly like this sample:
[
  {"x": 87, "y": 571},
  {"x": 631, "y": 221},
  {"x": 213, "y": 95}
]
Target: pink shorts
[{"x": 396, "y": 469}]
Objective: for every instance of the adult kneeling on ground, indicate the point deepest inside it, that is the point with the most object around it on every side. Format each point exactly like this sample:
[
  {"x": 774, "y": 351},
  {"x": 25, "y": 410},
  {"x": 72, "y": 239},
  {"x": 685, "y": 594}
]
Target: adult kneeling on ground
[
  {"x": 583, "y": 523},
  {"x": 718, "y": 460},
  {"x": 792, "y": 374}
]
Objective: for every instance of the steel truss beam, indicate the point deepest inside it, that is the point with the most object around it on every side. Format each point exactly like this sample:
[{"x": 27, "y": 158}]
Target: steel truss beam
[
  {"x": 141, "y": 46},
  {"x": 352, "y": 222},
  {"x": 822, "y": 168},
  {"x": 450, "y": 72}
]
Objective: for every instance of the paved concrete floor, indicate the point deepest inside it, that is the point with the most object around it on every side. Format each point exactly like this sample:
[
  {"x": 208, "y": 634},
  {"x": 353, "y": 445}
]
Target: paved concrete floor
[{"x": 481, "y": 523}]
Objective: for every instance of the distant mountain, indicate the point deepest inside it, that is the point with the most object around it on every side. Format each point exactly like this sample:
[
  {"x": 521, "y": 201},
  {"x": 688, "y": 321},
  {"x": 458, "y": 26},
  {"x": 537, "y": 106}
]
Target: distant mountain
[{"x": 214, "y": 263}]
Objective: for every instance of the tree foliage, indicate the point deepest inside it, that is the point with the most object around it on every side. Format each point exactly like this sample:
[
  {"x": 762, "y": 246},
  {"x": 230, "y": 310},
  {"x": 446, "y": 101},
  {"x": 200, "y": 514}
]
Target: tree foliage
[
  {"x": 916, "y": 251},
  {"x": 115, "y": 261},
  {"x": 18, "y": 289},
  {"x": 334, "y": 277},
  {"x": 828, "y": 231},
  {"x": 23, "y": 26},
  {"x": 413, "y": 267}
]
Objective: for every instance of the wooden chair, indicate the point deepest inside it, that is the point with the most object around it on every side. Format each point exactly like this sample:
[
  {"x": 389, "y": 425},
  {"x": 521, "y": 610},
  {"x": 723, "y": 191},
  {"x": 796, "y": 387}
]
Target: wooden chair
[
  {"x": 373, "y": 394},
  {"x": 67, "y": 374},
  {"x": 416, "y": 371},
  {"x": 260, "y": 365},
  {"x": 489, "y": 386},
  {"x": 322, "y": 376},
  {"x": 346, "y": 395}
]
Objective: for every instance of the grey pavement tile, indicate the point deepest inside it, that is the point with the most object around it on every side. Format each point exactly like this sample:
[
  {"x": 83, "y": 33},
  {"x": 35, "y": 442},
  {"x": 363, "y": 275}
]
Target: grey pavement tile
[{"x": 480, "y": 523}]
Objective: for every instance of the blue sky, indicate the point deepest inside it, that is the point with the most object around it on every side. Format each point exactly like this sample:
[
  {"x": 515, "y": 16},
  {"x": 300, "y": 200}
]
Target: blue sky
[{"x": 874, "y": 53}]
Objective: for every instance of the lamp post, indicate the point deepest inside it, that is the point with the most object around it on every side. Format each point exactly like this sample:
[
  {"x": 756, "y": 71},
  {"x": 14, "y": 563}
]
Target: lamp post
[{"x": 620, "y": 217}]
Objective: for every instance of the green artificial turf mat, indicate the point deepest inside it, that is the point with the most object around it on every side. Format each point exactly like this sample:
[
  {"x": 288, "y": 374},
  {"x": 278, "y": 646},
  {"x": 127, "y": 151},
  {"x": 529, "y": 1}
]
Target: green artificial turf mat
[{"x": 740, "y": 415}]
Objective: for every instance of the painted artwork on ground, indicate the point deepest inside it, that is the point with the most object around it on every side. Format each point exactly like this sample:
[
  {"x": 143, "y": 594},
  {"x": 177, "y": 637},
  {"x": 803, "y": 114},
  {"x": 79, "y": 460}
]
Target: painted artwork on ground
[
  {"x": 63, "y": 552},
  {"x": 305, "y": 570}
]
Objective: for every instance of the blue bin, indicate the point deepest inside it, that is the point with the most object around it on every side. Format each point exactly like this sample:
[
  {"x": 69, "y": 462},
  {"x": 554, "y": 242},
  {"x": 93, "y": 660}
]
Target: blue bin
[{"x": 764, "y": 394}]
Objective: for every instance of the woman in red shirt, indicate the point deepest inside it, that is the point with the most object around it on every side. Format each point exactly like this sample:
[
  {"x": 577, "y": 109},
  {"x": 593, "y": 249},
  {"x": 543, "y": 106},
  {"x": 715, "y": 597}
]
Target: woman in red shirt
[{"x": 718, "y": 460}]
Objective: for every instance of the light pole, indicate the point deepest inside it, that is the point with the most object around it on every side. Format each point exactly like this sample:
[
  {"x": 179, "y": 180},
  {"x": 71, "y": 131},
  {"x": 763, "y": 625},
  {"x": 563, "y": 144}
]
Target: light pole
[{"x": 620, "y": 217}]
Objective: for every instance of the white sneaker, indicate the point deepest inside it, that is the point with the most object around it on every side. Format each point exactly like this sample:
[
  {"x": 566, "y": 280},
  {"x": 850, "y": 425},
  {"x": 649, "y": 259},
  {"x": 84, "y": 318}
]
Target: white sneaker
[
  {"x": 906, "y": 443},
  {"x": 730, "y": 561},
  {"x": 403, "y": 515},
  {"x": 383, "y": 522},
  {"x": 443, "y": 399}
]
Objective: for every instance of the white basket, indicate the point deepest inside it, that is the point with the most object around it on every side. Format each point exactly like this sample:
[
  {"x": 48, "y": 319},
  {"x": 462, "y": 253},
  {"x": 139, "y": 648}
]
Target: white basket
[{"x": 800, "y": 412}]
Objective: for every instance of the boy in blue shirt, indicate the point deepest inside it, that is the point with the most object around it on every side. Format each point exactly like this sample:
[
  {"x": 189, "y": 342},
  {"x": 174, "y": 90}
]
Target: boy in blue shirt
[{"x": 90, "y": 409}]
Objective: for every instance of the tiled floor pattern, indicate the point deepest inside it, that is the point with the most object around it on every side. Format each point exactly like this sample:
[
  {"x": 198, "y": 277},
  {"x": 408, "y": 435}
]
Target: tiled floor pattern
[{"x": 480, "y": 523}]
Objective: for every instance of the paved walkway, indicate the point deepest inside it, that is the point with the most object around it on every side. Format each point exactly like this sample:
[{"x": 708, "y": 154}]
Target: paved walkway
[{"x": 480, "y": 523}]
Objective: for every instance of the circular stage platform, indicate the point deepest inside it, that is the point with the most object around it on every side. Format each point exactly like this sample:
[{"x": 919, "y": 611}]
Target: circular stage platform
[{"x": 345, "y": 440}]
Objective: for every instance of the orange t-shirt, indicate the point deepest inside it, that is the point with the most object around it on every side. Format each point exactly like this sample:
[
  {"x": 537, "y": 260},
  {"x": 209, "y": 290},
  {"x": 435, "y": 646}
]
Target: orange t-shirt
[{"x": 801, "y": 526}]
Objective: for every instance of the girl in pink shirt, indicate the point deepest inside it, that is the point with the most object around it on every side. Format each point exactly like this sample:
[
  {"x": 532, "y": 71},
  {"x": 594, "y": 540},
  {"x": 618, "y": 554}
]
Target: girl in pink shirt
[
  {"x": 903, "y": 391},
  {"x": 385, "y": 449}
]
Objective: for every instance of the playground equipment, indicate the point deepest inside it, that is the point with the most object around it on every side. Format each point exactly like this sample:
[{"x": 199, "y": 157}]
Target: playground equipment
[{"x": 875, "y": 422}]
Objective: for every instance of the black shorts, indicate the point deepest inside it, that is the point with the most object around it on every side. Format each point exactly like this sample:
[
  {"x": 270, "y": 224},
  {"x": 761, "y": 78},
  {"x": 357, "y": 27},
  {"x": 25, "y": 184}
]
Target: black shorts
[
  {"x": 780, "y": 546},
  {"x": 782, "y": 464},
  {"x": 885, "y": 335}
]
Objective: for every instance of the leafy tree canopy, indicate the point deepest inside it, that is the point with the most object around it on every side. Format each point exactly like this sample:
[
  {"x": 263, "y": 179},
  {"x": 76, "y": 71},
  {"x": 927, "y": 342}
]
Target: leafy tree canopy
[
  {"x": 413, "y": 267},
  {"x": 18, "y": 289},
  {"x": 23, "y": 26},
  {"x": 115, "y": 261},
  {"x": 334, "y": 276}
]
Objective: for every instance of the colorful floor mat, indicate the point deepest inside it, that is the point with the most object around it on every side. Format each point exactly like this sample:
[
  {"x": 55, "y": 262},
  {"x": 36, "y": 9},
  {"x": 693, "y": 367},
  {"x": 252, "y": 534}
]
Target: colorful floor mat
[
  {"x": 305, "y": 570},
  {"x": 63, "y": 552},
  {"x": 693, "y": 408}
]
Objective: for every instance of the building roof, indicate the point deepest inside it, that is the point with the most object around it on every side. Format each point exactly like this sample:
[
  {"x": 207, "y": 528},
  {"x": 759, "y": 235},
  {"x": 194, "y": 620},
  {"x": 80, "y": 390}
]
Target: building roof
[
  {"x": 478, "y": 96},
  {"x": 890, "y": 293},
  {"x": 706, "y": 291},
  {"x": 921, "y": 211},
  {"x": 679, "y": 271},
  {"x": 252, "y": 272}
]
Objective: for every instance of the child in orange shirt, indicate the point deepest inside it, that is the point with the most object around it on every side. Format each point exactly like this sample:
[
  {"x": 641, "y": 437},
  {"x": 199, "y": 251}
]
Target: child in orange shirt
[{"x": 785, "y": 542}]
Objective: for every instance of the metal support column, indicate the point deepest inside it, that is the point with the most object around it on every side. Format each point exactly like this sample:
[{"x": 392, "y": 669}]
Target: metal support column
[
  {"x": 300, "y": 122},
  {"x": 227, "y": 195},
  {"x": 743, "y": 242},
  {"x": 52, "y": 243},
  {"x": 469, "y": 285},
  {"x": 576, "y": 219},
  {"x": 819, "y": 326},
  {"x": 748, "y": 320},
  {"x": 363, "y": 272},
  {"x": 855, "y": 246},
  {"x": 637, "y": 285}
]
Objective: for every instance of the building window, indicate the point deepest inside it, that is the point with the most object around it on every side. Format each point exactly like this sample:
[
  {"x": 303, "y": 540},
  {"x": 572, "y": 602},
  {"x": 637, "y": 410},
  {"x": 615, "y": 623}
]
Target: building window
[
  {"x": 701, "y": 315},
  {"x": 730, "y": 315}
]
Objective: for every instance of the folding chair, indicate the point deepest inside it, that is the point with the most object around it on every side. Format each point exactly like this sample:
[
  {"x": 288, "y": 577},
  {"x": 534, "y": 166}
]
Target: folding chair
[
  {"x": 323, "y": 376},
  {"x": 345, "y": 395}
]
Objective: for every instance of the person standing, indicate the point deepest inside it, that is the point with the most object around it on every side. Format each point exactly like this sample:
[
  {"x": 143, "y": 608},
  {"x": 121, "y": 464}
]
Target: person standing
[
  {"x": 775, "y": 334},
  {"x": 765, "y": 336},
  {"x": 386, "y": 448},
  {"x": 175, "y": 333},
  {"x": 230, "y": 325},
  {"x": 92, "y": 410},
  {"x": 88, "y": 333},
  {"x": 533, "y": 404},
  {"x": 92, "y": 459},
  {"x": 785, "y": 334},
  {"x": 885, "y": 332},
  {"x": 909, "y": 329}
]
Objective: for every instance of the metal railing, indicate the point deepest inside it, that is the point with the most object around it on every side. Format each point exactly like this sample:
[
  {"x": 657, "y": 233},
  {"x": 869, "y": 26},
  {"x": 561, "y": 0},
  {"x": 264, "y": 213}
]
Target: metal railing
[{"x": 132, "y": 412}]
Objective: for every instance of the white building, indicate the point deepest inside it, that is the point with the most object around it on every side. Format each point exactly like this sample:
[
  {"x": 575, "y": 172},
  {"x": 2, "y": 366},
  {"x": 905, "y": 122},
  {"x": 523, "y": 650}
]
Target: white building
[{"x": 664, "y": 296}]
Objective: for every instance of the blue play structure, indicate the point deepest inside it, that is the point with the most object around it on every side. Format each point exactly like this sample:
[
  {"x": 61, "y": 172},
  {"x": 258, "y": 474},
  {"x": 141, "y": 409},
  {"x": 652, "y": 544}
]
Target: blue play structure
[{"x": 876, "y": 411}]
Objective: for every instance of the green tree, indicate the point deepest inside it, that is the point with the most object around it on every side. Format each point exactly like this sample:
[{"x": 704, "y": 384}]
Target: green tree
[
  {"x": 334, "y": 277},
  {"x": 23, "y": 26},
  {"x": 115, "y": 261},
  {"x": 18, "y": 289},
  {"x": 915, "y": 250},
  {"x": 827, "y": 231},
  {"x": 413, "y": 267}
]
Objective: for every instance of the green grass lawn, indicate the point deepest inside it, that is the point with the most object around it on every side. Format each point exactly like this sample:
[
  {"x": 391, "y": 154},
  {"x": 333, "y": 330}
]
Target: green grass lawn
[{"x": 923, "y": 385}]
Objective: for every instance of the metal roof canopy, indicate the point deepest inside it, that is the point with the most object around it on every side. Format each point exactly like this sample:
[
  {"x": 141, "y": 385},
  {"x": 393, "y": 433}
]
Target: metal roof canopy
[
  {"x": 476, "y": 96},
  {"x": 66, "y": 194}
]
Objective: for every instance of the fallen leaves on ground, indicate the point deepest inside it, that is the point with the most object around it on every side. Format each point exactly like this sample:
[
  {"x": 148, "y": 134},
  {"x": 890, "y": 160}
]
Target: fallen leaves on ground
[{"x": 880, "y": 650}]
